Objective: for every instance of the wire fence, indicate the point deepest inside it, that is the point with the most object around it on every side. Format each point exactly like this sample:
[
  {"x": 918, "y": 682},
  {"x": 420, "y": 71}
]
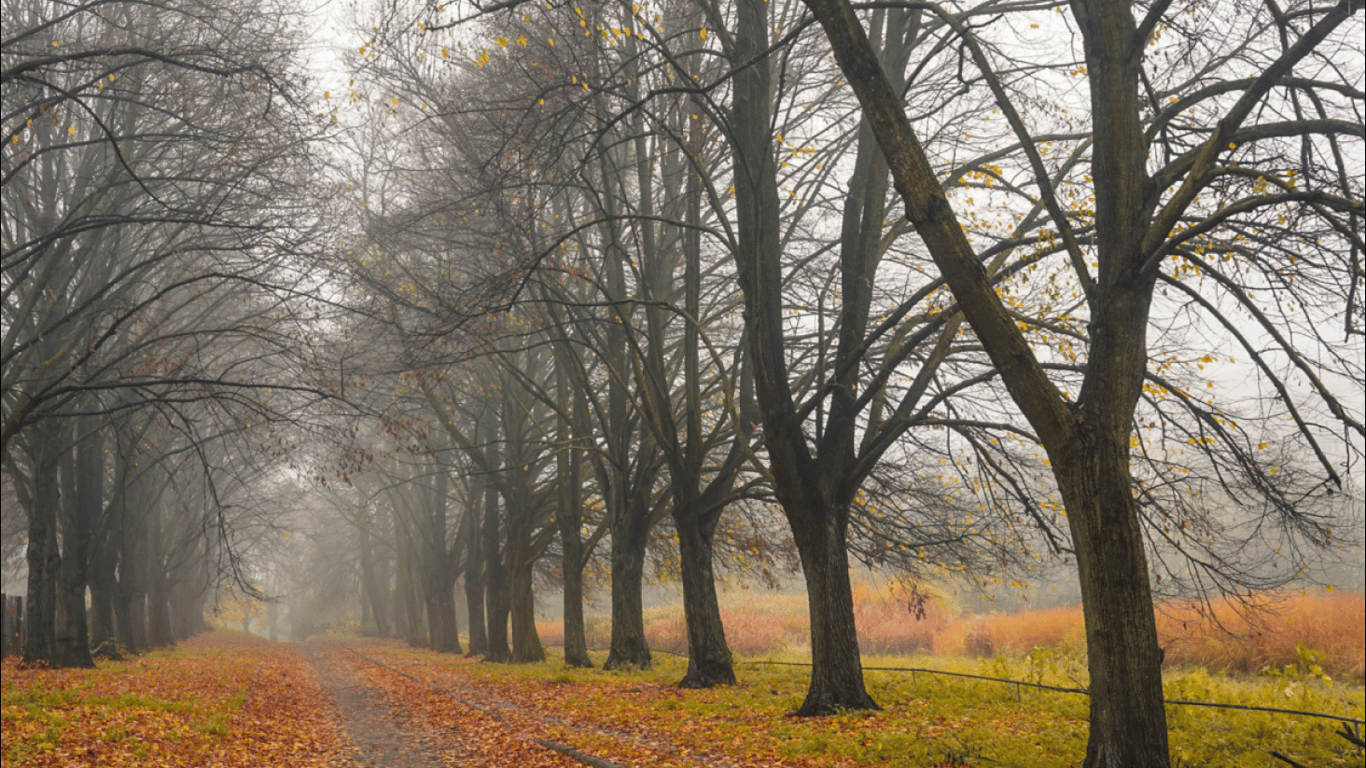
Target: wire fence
[{"x": 1082, "y": 691}]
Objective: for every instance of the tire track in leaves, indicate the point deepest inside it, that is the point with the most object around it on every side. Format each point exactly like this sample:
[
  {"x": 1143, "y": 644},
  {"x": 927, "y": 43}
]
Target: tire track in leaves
[
  {"x": 380, "y": 735},
  {"x": 581, "y": 743}
]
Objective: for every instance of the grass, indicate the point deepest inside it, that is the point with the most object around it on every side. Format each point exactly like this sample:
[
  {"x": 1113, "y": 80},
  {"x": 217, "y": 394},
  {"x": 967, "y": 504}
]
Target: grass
[
  {"x": 221, "y": 699},
  {"x": 1228, "y": 636},
  {"x": 927, "y": 719}
]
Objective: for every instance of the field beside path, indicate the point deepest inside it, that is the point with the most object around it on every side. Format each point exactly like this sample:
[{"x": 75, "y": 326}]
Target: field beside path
[
  {"x": 227, "y": 699},
  {"x": 1228, "y": 635},
  {"x": 220, "y": 699},
  {"x": 641, "y": 718}
]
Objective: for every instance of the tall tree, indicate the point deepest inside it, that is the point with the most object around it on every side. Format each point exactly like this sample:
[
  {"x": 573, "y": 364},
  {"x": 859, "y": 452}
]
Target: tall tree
[{"x": 1225, "y": 171}]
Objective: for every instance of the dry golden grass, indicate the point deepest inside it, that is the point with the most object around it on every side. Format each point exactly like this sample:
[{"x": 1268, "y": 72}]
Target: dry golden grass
[{"x": 1228, "y": 636}]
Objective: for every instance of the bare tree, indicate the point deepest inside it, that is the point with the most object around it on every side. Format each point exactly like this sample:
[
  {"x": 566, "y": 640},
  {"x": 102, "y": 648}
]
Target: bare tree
[{"x": 1218, "y": 140}]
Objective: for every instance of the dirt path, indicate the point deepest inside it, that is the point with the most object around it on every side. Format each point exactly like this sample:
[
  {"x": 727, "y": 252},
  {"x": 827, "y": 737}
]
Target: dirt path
[
  {"x": 381, "y": 731},
  {"x": 392, "y": 718}
]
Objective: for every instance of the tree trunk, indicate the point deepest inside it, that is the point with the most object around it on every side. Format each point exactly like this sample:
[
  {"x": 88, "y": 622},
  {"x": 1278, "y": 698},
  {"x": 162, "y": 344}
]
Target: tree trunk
[
  {"x": 496, "y": 598},
  {"x": 1123, "y": 655},
  {"x": 575, "y": 639},
  {"x": 628, "y": 648},
  {"x": 103, "y": 568},
  {"x": 188, "y": 594},
  {"x": 526, "y": 643},
  {"x": 474, "y": 583},
  {"x": 812, "y": 492},
  {"x": 102, "y": 629},
  {"x": 438, "y": 585},
  {"x": 709, "y": 658},
  {"x": 376, "y": 597},
  {"x": 82, "y": 480},
  {"x": 442, "y": 631},
  {"x": 569, "y": 519},
  {"x": 159, "y": 634},
  {"x": 837, "y": 668},
  {"x": 410, "y": 598},
  {"x": 129, "y": 534},
  {"x": 159, "y": 589},
  {"x": 44, "y": 561}
]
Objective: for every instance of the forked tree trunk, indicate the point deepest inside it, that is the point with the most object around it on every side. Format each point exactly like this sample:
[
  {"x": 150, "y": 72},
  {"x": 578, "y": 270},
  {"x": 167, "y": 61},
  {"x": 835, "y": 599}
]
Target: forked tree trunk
[{"x": 807, "y": 487}]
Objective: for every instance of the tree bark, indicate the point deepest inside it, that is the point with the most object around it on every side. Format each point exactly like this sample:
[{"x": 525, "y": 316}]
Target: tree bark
[
  {"x": 1123, "y": 656},
  {"x": 814, "y": 494},
  {"x": 103, "y": 569},
  {"x": 1087, "y": 442},
  {"x": 709, "y": 657},
  {"x": 44, "y": 560},
  {"x": 159, "y": 588},
  {"x": 569, "y": 521},
  {"x": 130, "y": 535},
  {"x": 82, "y": 480},
  {"x": 188, "y": 593},
  {"x": 526, "y": 643},
  {"x": 474, "y": 584},
  {"x": 376, "y": 597},
  {"x": 628, "y": 647},
  {"x": 496, "y": 599},
  {"x": 837, "y": 680},
  {"x": 409, "y": 593}
]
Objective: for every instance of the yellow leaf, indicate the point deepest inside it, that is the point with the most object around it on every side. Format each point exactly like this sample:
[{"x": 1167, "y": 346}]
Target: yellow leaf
[{"x": 71, "y": 130}]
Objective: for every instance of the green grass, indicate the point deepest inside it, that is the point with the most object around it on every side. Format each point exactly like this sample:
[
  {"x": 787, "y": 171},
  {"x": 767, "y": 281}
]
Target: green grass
[{"x": 935, "y": 720}]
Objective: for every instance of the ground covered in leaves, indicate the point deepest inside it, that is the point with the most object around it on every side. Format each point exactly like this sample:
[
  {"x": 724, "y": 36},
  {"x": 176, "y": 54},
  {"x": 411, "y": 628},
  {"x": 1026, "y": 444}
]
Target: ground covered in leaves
[
  {"x": 224, "y": 699},
  {"x": 219, "y": 699}
]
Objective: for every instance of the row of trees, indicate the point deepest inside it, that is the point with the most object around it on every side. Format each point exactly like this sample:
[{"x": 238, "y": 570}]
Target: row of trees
[
  {"x": 1126, "y": 285},
  {"x": 155, "y": 229},
  {"x": 621, "y": 278}
]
